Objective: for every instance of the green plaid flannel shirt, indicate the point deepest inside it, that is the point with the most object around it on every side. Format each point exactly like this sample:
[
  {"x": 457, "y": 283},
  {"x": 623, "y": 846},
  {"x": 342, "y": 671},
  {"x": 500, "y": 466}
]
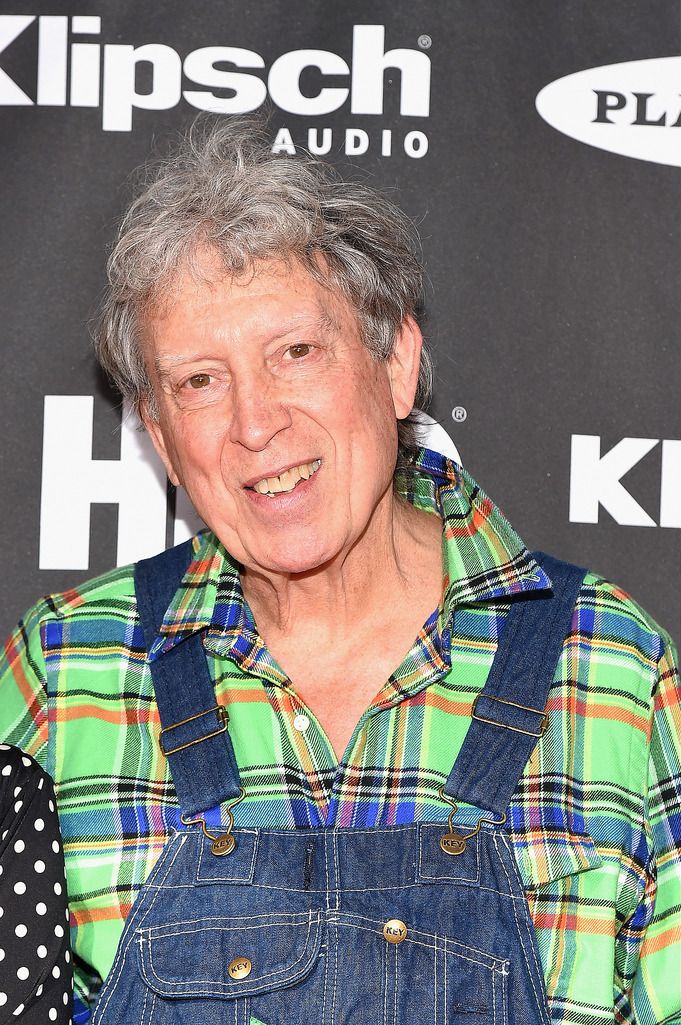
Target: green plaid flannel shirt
[{"x": 595, "y": 822}]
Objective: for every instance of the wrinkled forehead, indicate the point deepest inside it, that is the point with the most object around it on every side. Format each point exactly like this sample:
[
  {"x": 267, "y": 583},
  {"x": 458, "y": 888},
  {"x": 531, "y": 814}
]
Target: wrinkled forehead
[{"x": 307, "y": 296}]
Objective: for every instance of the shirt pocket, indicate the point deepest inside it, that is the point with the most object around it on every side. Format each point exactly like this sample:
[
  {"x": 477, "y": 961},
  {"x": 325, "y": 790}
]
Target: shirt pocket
[
  {"x": 216, "y": 969},
  {"x": 548, "y": 854}
]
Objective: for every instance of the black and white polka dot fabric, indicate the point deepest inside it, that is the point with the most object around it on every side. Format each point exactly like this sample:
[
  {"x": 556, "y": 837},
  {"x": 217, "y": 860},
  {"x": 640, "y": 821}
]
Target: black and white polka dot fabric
[{"x": 35, "y": 960}]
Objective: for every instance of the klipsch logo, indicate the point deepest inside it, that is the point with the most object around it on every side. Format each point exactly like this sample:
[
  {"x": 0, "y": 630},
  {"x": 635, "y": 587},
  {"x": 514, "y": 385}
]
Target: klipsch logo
[
  {"x": 631, "y": 108},
  {"x": 75, "y": 71}
]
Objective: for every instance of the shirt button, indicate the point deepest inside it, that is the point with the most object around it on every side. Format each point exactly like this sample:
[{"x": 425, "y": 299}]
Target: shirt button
[{"x": 301, "y": 723}]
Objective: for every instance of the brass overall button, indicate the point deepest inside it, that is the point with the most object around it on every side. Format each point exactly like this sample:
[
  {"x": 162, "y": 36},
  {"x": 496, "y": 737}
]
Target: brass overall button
[
  {"x": 394, "y": 931},
  {"x": 223, "y": 844},
  {"x": 239, "y": 968},
  {"x": 452, "y": 843}
]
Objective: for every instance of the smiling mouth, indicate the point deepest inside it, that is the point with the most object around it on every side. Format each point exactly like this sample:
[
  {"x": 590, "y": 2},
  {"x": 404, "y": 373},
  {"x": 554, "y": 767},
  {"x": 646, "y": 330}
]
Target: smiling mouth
[{"x": 287, "y": 480}]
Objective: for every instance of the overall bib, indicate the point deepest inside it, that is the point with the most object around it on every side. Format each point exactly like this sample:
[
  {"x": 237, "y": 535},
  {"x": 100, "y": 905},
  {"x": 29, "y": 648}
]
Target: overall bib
[{"x": 422, "y": 924}]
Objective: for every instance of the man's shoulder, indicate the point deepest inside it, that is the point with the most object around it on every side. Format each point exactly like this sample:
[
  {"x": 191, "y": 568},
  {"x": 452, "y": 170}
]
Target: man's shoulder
[
  {"x": 95, "y": 618},
  {"x": 99, "y": 613},
  {"x": 110, "y": 592},
  {"x": 612, "y": 617}
]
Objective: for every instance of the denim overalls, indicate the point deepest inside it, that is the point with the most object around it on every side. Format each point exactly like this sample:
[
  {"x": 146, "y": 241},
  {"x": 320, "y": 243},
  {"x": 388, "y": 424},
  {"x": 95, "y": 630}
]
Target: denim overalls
[{"x": 422, "y": 924}]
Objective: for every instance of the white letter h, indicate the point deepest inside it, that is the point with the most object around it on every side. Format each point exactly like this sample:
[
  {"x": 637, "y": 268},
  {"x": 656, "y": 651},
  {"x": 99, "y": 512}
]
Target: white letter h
[{"x": 72, "y": 480}]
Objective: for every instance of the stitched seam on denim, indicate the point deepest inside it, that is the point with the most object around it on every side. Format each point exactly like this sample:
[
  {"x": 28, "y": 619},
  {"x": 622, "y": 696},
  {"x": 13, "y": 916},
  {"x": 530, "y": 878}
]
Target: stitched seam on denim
[
  {"x": 326, "y": 973},
  {"x": 397, "y": 951},
  {"x": 520, "y": 935},
  {"x": 228, "y": 879},
  {"x": 335, "y": 982},
  {"x": 207, "y": 882},
  {"x": 422, "y": 875},
  {"x": 437, "y": 952},
  {"x": 119, "y": 961},
  {"x": 210, "y": 982},
  {"x": 325, "y": 982},
  {"x": 348, "y": 831},
  {"x": 420, "y": 943},
  {"x": 326, "y": 870},
  {"x": 145, "y": 1020},
  {"x": 494, "y": 998},
  {"x": 212, "y": 992},
  {"x": 336, "y": 901},
  {"x": 392, "y": 977},
  {"x": 143, "y": 971},
  {"x": 385, "y": 985},
  {"x": 446, "y": 974},
  {"x": 493, "y": 964},
  {"x": 336, "y": 870},
  {"x": 349, "y": 889},
  {"x": 278, "y": 918},
  {"x": 500, "y": 893},
  {"x": 174, "y": 931},
  {"x": 460, "y": 880},
  {"x": 514, "y": 868}
]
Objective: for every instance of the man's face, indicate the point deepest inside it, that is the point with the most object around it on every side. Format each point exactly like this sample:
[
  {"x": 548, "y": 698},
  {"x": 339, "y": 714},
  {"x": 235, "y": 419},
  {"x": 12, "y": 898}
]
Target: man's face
[{"x": 273, "y": 415}]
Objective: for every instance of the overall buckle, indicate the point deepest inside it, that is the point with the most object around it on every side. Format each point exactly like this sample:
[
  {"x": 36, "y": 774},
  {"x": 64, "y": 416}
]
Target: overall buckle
[
  {"x": 223, "y": 843},
  {"x": 455, "y": 843},
  {"x": 223, "y": 716},
  {"x": 543, "y": 721}
]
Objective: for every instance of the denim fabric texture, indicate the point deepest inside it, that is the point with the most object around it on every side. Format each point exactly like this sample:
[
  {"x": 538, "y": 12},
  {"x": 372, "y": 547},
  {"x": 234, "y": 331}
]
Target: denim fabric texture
[
  {"x": 308, "y": 908},
  {"x": 340, "y": 926}
]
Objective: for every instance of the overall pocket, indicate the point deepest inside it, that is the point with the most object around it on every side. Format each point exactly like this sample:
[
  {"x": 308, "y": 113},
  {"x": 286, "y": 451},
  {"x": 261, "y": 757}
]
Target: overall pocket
[
  {"x": 424, "y": 978},
  {"x": 223, "y": 970}
]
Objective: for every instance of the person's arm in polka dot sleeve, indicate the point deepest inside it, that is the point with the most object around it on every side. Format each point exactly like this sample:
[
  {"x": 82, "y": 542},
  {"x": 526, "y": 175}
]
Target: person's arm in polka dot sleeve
[{"x": 35, "y": 961}]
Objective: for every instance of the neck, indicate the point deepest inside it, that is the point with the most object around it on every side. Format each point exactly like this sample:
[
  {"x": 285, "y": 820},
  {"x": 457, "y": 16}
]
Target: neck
[{"x": 338, "y": 599}]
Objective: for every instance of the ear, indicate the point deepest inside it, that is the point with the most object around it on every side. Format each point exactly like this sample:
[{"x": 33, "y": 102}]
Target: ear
[
  {"x": 155, "y": 431},
  {"x": 403, "y": 366}
]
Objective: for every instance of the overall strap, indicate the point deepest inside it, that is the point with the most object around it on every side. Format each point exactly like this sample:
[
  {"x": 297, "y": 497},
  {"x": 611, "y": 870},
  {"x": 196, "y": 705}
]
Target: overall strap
[
  {"x": 509, "y": 713},
  {"x": 194, "y": 737}
]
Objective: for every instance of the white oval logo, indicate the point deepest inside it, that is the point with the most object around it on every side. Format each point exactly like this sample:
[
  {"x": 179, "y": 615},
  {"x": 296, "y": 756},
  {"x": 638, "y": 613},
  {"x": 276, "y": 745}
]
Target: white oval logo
[{"x": 633, "y": 108}]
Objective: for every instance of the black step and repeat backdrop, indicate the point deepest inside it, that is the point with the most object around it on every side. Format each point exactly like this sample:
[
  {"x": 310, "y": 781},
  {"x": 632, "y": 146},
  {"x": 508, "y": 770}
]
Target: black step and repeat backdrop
[{"x": 535, "y": 143}]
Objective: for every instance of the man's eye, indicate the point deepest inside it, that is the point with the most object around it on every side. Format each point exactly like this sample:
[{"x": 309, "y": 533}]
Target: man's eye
[
  {"x": 197, "y": 381},
  {"x": 299, "y": 350}
]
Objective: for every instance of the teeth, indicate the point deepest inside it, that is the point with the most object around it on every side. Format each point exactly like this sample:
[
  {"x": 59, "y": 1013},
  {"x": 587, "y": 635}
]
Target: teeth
[{"x": 287, "y": 480}]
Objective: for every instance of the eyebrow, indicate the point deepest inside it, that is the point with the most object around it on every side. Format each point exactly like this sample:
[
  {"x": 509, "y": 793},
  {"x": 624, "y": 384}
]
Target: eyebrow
[
  {"x": 323, "y": 318},
  {"x": 164, "y": 363}
]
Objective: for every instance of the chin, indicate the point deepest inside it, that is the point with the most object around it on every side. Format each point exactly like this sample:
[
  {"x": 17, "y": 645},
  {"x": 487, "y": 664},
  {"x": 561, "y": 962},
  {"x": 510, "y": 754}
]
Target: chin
[{"x": 305, "y": 557}]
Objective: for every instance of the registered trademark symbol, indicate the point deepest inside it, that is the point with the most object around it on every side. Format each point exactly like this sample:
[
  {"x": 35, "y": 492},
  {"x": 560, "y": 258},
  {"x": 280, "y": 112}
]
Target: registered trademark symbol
[
  {"x": 425, "y": 42},
  {"x": 459, "y": 414}
]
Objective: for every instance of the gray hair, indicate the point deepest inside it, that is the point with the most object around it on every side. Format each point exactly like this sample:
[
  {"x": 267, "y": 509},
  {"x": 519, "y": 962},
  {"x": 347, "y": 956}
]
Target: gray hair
[{"x": 222, "y": 187}]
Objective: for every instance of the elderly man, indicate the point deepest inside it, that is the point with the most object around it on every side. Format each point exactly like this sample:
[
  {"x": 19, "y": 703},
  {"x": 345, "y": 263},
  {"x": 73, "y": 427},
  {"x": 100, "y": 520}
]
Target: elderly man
[{"x": 352, "y": 754}]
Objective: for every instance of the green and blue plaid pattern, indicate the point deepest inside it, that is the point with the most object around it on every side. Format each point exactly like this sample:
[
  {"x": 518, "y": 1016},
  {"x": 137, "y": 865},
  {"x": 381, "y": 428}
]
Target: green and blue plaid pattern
[{"x": 595, "y": 822}]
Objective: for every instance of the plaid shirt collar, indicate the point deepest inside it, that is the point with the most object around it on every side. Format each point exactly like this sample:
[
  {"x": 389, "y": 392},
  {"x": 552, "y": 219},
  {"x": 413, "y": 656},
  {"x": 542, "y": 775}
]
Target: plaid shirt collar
[{"x": 483, "y": 559}]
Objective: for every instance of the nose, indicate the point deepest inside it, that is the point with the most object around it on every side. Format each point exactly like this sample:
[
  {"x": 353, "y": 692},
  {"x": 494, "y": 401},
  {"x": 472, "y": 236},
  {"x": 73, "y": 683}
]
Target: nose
[{"x": 258, "y": 413}]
